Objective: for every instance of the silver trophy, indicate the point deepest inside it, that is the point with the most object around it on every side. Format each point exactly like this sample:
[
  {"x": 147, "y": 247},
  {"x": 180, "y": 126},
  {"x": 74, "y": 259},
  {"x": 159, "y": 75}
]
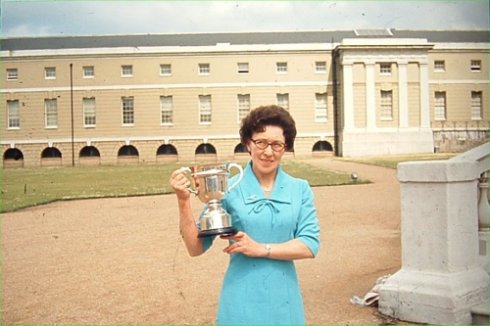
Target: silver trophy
[{"x": 210, "y": 184}]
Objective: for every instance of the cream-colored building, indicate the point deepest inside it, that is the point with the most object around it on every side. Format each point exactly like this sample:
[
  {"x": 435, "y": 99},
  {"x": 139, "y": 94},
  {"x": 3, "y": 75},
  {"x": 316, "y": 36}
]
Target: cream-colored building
[{"x": 156, "y": 98}]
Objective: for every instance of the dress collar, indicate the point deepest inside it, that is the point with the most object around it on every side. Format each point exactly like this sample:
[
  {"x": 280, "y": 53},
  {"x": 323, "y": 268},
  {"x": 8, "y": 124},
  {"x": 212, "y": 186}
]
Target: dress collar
[{"x": 252, "y": 191}]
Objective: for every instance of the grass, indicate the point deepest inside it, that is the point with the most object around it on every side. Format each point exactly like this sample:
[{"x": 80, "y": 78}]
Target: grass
[
  {"x": 27, "y": 187},
  {"x": 392, "y": 161},
  {"x": 35, "y": 186}
]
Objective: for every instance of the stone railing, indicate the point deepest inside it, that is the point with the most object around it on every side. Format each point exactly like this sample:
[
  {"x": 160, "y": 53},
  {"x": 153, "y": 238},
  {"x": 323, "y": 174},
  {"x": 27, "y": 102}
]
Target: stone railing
[{"x": 444, "y": 212}]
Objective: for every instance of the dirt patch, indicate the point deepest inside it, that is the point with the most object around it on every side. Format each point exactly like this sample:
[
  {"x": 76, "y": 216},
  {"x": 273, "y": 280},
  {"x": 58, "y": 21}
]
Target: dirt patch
[{"x": 121, "y": 260}]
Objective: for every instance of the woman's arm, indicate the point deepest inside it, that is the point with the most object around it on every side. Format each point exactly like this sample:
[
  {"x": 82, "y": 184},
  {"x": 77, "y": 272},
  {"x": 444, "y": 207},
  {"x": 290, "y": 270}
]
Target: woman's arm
[
  {"x": 289, "y": 250},
  {"x": 187, "y": 223}
]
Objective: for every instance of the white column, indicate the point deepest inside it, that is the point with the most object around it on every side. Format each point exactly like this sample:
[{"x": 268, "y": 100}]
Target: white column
[
  {"x": 370, "y": 96},
  {"x": 348, "y": 96},
  {"x": 403, "y": 94},
  {"x": 441, "y": 279},
  {"x": 424, "y": 95}
]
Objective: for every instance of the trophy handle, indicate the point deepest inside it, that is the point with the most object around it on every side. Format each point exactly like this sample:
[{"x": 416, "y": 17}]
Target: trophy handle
[
  {"x": 188, "y": 173},
  {"x": 229, "y": 166}
]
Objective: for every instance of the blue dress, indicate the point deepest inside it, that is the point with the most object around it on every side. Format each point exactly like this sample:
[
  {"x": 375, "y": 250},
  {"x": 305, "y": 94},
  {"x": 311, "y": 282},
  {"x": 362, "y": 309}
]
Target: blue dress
[{"x": 262, "y": 291}]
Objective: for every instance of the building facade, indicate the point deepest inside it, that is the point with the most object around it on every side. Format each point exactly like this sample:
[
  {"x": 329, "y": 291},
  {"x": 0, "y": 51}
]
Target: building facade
[{"x": 158, "y": 98}]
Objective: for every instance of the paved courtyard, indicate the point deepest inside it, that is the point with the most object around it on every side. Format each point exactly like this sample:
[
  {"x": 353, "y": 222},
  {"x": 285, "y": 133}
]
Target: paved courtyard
[{"x": 121, "y": 260}]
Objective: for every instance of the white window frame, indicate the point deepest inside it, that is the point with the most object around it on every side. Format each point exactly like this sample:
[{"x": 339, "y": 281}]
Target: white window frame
[
  {"x": 88, "y": 72},
  {"x": 475, "y": 65},
  {"x": 321, "y": 107},
  {"x": 386, "y": 105},
  {"x": 204, "y": 69},
  {"x": 282, "y": 67},
  {"x": 127, "y": 71},
  {"x": 166, "y": 110},
  {"x": 205, "y": 109},
  {"x": 282, "y": 100},
  {"x": 127, "y": 111},
  {"x": 243, "y": 106},
  {"x": 12, "y": 74},
  {"x": 13, "y": 114},
  {"x": 51, "y": 113},
  {"x": 165, "y": 69},
  {"x": 476, "y": 105},
  {"x": 440, "y": 106},
  {"x": 439, "y": 66},
  {"x": 50, "y": 73},
  {"x": 385, "y": 68},
  {"x": 242, "y": 68},
  {"x": 321, "y": 67},
  {"x": 89, "y": 112}
]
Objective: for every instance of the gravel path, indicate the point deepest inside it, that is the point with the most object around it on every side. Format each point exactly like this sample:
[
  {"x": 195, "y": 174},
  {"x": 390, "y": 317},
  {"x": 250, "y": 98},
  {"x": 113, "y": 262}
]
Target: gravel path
[{"x": 121, "y": 260}]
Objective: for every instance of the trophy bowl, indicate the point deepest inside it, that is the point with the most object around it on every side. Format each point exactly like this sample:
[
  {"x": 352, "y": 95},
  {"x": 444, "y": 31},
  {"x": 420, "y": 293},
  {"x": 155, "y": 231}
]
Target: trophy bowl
[{"x": 210, "y": 184}]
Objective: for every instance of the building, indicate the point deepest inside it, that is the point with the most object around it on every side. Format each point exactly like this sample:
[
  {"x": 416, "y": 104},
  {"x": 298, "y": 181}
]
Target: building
[{"x": 157, "y": 98}]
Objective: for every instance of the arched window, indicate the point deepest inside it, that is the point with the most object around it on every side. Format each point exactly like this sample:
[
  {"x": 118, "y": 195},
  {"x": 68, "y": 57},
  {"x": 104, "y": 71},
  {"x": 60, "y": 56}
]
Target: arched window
[
  {"x": 13, "y": 154},
  {"x": 205, "y": 149},
  {"x": 240, "y": 148},
  {"x": 167, "y": 150},
  {"x": 128, "y": 150},
  {"x": 89, "y": 151},
  {"x": 50, "y": 152},
  {"x": 322, "y": 146}
]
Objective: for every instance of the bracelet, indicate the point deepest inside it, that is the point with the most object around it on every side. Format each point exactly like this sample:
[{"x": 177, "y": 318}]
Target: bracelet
[{"x": 268, "y": 249}]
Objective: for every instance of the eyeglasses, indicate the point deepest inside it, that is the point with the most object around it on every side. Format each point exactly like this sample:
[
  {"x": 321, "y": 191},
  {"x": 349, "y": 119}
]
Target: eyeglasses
[{"x": 276, "y": 146}]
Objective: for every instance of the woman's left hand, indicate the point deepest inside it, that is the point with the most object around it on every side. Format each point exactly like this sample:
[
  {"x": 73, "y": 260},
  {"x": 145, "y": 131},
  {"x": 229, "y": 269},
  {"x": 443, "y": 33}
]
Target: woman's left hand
[{"x": 242, "y": 243}]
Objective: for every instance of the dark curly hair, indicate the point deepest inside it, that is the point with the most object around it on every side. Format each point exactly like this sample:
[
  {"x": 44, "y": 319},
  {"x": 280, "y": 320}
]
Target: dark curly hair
[{"x": 269, "y": 115}]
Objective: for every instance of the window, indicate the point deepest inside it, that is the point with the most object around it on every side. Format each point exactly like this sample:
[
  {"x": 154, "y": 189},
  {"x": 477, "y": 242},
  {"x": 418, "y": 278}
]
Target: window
[
  {"x": 321, "y": 113},
  {"x": 165, "y": 69},
  {"x": 440, "y": 106},
  {"x": 204, "y": 69},
  {"x": 50, "y": 73},
  {"x": 476, "y": 106},
  {"x": 205, "y": 109},
  {"x": 321, "y": 67},
  {"x": 88, "y": 105},
  {"x": 385, "y": 68},
  {"x": 243, "y": 106},
  {"x": 51, "y": 113},
  {"x": 386, "y": 105},
  {"x": 283, "y": 101},
  {"x": 128, "y": 111},
  {"x": 88, "y": 72},
  {"x": 475, "y": 65},
  {"x": 166, "y": 110},
  {"x": 439, "y": 66},
  {"x": 127, "y": 71},
  {"x": 242, "y": 67},
  {"x": 13, "y": 114},
  {"x": 12, "y": 74},
  {"x": 281, "y": 67}
]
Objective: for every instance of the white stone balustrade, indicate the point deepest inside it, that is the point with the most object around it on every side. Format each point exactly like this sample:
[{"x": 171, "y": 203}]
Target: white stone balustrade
[{"x": 442, "y": 278}]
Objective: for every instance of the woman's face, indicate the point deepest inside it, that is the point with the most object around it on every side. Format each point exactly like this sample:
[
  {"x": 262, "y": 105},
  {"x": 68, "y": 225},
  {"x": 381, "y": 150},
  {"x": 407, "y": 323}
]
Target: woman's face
[{"x": 266, "y": 160}]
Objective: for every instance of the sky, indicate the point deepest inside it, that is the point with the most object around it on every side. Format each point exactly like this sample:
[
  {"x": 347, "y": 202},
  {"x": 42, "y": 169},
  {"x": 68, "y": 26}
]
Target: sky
[{"x": 55, "y": 18}]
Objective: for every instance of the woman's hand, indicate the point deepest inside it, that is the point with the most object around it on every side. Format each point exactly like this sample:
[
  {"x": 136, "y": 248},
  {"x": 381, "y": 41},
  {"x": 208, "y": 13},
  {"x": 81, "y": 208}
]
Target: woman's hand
[
  {"x": 180, "y": 184},
  {"x": 242, "y": 243}
]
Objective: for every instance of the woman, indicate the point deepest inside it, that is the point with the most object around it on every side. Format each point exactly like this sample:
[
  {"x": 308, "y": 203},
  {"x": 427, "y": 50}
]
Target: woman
[{"x": 277, "y": 223}]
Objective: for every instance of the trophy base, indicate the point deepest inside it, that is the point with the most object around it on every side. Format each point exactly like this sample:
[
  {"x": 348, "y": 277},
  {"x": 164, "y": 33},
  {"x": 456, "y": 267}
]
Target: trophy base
[{"x": 219, "y": 231}]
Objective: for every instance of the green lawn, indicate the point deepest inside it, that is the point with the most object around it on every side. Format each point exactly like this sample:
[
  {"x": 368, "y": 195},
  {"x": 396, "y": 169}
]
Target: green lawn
[
  {"x": 392, "y": 161},
  {"x": 34, "y": 186},
  {"x": 26, "y": 187}
]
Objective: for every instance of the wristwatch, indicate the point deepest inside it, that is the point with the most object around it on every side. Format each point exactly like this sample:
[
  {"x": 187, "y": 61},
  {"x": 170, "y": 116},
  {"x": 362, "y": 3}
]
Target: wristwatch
[{"x": 268, "y": 249}]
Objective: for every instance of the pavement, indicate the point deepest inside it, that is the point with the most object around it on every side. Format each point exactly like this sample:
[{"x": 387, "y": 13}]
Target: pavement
[{"x": 121, "y": 260}]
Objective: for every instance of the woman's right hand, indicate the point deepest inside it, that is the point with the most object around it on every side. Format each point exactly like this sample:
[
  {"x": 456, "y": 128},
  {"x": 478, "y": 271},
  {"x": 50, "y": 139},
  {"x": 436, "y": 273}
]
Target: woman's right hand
[{"x": 180, "y": 183}]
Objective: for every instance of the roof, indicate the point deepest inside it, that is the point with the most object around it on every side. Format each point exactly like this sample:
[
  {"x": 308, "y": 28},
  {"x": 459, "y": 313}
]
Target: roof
[{"x": 209, "y": 39}]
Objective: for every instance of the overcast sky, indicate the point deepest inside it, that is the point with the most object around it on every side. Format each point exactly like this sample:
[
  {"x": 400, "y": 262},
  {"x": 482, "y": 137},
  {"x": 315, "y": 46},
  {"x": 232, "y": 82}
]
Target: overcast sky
[{"x": 41, "y": 18}]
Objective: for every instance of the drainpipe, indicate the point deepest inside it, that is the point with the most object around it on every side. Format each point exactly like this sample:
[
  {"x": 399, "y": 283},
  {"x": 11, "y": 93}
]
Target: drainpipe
[
  {"x": 335, "y": 88},
  {"x": 72, "y": 121}
]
